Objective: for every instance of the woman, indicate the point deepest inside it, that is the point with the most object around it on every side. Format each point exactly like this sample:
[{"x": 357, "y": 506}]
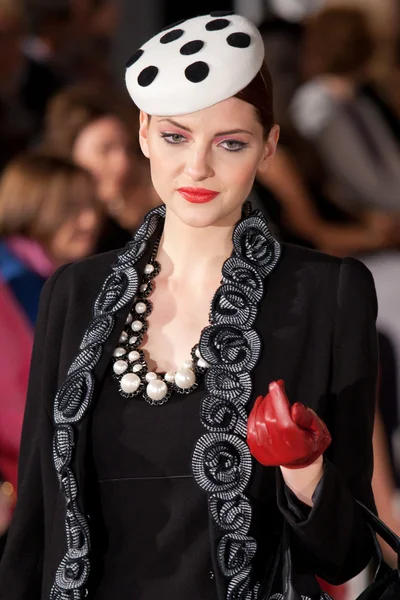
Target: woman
[
  {"x": 48, "y": 217},
  {"x": 94, "y": 130},
  {"x": 153, "y": 472}
]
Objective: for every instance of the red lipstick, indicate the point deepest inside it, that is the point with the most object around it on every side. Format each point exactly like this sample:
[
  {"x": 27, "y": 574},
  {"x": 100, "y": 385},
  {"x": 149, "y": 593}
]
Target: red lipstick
[{"x": 197, "y": 195}]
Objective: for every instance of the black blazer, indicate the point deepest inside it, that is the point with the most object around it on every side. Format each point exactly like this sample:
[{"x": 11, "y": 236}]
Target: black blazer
[{"x": 317, "y": 325}]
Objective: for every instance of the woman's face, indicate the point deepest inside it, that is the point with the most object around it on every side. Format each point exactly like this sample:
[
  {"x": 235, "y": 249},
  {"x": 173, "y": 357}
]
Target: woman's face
[
  {"x": 77, "y": 235},
  {"x": 218, "y": 149},
  {"x": 103, "y": 148}
]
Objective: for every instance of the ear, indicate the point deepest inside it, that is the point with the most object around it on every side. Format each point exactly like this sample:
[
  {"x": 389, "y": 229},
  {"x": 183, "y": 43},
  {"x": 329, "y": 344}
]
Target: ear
[
  {"x": 144, "y": 119},
  {"x": 269, "y": 147}
]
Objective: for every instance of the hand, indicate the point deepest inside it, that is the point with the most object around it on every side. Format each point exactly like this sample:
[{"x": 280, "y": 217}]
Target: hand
[{"x": 281, "y": 435}]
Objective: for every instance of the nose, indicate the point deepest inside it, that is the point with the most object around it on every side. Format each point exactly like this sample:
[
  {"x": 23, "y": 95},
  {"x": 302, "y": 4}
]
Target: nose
[{"x": 198, "y": 165}]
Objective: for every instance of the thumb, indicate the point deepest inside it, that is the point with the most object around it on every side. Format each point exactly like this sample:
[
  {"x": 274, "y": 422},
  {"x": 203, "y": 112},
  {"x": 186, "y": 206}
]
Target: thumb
[{"x": 302, "y": 416}]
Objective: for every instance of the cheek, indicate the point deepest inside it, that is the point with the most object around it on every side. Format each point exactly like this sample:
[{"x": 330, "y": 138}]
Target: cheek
[
  {"x": 240, "y": 172},
  {"x": 89, "y": 158},
  {"x": 99, "y": 165},
  {"x": 164, "y": 166}
]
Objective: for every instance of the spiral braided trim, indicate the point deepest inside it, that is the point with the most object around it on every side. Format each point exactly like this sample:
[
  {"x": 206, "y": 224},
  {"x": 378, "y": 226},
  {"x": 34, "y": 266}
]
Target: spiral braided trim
[
  {"x": 223, "y": 415},
  {"x": 240, "y": 587},
  {"x": 221, "y": 461},
  {"x": 74, "y": 399},
  {"x": 232, "y": 515}
]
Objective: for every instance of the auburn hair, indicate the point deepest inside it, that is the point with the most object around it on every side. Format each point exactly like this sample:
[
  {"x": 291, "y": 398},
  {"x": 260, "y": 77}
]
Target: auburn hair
[
  {"x": 77, "y": 106},
  {"x": 258, "y": 93},
  {"x": 36, "y": 195}
]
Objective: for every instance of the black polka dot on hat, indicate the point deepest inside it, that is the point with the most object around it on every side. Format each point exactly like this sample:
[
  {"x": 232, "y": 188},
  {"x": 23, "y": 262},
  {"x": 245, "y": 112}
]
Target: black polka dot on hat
[
  {"x": 197, "y": 71},
  {"x": 174, "y": 24},
  {"x": 239, "y": 40},
  {"x": 134, "y": 58},
  {"x": 147, "y": 76},
  {"x": 222, "y": 13},
  {"x": 191, "y": 47},
  {"x": 217, "y": 24},
  {"x": 171, "y": 36}
]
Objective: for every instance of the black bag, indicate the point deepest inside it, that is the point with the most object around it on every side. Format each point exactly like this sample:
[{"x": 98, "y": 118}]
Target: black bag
[{"x": 386, "y": 584}]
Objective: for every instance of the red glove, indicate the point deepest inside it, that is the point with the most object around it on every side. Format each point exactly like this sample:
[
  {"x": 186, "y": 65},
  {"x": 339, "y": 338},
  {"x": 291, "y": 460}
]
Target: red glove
[{"x": 281, "y": 435}]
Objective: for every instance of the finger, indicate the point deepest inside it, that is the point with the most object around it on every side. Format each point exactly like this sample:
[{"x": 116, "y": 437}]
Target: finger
[
  {"x": 302, "y": 416},
  {"x": 279, "y": 403},
  {"x": 253, "y": 421},
  {"x": 263, "y": 431}
]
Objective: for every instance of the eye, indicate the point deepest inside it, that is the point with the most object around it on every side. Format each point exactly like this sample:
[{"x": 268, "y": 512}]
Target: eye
[
  {"x": 233, "y": 145},
  {"x": 172, "y": 138}
]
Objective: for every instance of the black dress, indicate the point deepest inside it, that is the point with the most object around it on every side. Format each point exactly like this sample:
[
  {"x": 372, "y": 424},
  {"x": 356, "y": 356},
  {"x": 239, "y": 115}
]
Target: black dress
[{"x": 142, "y": 459}]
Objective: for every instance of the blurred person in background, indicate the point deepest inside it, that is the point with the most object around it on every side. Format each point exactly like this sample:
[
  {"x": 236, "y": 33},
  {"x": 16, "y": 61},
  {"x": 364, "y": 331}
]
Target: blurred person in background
[
  {"x": 25, "y": 84},
  {"x": 294, "y": 190},
  {"x": 282, "y": 31},
  {"x": 94, "y": 130},
  {"x": 337, "y": 110},
  {"x": 297, "y": 189},
  {"x": 48, "y": 217},
  {"x": 94, "y": 24},
  {"x": 50, "y": 36}
]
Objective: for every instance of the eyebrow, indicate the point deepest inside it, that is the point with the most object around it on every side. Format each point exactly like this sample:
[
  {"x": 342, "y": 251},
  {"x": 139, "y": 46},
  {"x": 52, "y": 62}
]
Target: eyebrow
[{"x": 218, "y": 134}]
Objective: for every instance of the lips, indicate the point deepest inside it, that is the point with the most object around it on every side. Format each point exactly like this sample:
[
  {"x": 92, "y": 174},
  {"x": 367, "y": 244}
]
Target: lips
[{"x": 197, "y": 195}]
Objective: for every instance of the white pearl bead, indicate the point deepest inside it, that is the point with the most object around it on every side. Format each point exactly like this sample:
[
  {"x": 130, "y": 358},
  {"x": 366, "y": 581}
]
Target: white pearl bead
[
  {"x": 150, "y": 376},
  {"x": 136, "y": 326},
  {"x": 133, "y": 355},
  {"x": 203, "y": 364},
  {"x": 169, "y": 376},
  {"x": 130, "y": 383},
  {"x": 143, "y": 287},
  {"x": 123, "y": 337},
  {"x": 187, "y": 364},
  {"x": 157, "y": 389},
  {"x": 133, "y": 340},
  {"x": 148, "y": 269},
  {"x": 185, "y": 378},
  {"x": 197, "y": 353},
  {"x": 140, "y": 308},
  {"x": 119, "y": 367},
  {"x": 119, "y": 352},
  {"x": 129, "y": 319},
  {"x": 136, "y": 368}
]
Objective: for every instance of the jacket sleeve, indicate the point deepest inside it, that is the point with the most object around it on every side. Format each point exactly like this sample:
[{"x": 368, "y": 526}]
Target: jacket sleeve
[
  {"x": 22, "y": 562},
  {"x": 333, "y": 535}
]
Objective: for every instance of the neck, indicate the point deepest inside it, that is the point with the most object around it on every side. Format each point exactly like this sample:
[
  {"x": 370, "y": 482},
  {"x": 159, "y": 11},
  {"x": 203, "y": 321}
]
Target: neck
[{"x": 200, "y": 251}]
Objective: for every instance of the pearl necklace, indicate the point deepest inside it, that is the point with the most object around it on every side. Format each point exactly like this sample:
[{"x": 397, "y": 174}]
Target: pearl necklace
[{"x": 130, "y": 366}]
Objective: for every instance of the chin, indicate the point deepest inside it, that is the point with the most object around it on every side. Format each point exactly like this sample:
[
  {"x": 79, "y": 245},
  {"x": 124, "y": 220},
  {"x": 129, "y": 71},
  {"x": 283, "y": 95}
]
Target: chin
[{"x": 205, "y": 215}]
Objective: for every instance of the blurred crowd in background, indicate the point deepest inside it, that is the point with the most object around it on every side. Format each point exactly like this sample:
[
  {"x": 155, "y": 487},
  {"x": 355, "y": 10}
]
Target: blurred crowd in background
[{"x": 73, "y": 181}]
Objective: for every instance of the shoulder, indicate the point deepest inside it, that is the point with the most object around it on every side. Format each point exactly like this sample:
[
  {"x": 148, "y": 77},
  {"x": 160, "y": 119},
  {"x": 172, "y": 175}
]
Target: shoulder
[
  {"x": 85, "y": 275},
  {"x": 67, "y": 303},
  {"x": 319, "y": 271},
  {"x": 311, "y": 264}
]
